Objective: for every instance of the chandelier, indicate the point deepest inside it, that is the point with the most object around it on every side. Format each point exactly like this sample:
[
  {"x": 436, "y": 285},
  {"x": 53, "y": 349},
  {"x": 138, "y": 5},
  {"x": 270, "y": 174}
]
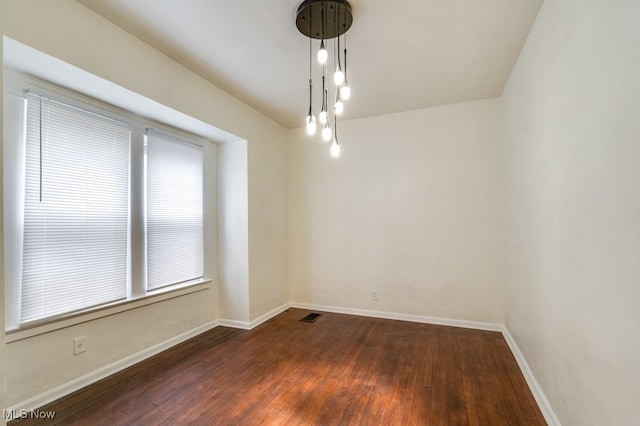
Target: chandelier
[{"x": 326, "y": 20}]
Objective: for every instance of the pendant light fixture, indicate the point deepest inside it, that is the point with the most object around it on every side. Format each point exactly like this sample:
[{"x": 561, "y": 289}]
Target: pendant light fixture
[
  {"x": 325, "y": 20},
  {"x": 323, "y": 116},
  {"x": 322, "y": 52},
  {"x": 345, "y": 90}
]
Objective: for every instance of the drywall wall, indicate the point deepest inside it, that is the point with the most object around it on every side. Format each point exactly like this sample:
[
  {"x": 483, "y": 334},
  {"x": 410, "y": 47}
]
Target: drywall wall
[
  {"x": 412, "y": 208},
  {"x": 68, "y": 31},
  {"x": 233, "y": 231},
  {"x": 570, "y": 118},
  {"x": 3, "y": 381},
  {"x": 268, "y": 221}
]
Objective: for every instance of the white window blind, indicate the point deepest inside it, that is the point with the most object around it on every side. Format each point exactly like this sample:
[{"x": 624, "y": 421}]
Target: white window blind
[
  {"x": 174, "y": 209},
  {"x": 76, "y": 210}
]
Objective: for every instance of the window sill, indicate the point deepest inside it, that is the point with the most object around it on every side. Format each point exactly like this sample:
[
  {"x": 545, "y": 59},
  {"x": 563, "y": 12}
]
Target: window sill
[{"x": 46, "y": 326}]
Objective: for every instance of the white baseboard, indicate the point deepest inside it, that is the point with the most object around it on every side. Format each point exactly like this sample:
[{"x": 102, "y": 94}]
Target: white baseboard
[
  {"x": 250, "y": 325},
  {"x": 402, "y": 317},
  {"x": 83, "y": 381},
  {"x": 243, "y": 325},
  {"x": 266, "y": 317},
  {"x": 536, "y": 390}
]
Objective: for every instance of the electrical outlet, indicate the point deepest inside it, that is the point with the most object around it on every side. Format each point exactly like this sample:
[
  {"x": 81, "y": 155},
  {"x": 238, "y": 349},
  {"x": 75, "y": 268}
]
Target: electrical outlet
[
  {"x": 79, "y": 345},
  {"x": 374, "y": 294}
]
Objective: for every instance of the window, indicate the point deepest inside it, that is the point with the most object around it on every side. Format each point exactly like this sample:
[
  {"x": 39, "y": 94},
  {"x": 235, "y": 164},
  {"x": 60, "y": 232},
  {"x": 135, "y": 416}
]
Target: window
[
  {"x": 76, "y": 210},
  {"x": 174, "y": 211},
  {"x": 86, "y": 228}
]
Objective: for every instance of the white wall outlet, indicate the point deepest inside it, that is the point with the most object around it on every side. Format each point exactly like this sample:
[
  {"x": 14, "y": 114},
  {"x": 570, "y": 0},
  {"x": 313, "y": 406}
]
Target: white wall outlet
[
  {"x": 79, "y": 345},
  {"x": 374, "y": 294}
]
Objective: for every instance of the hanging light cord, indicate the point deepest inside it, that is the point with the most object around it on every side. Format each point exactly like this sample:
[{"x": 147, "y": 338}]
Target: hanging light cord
[
  {"x": 338, "y": 37},
  {"x": 310, "y": 79},
  {"x": 324, "y": 91},
  {"x": 345, "y": 58}
]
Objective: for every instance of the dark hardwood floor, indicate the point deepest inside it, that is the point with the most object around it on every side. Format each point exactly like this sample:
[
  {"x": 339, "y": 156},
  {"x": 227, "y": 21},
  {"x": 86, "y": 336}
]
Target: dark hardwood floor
[{"x": 341, "y": 369}]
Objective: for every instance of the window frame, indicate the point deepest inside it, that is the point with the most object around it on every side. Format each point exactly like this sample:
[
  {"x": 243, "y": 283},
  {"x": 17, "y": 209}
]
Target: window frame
[
  {"x": 153, "y": 139},
  {"x": 137, "y": 295},
  {"x": 76, "y": 209}
]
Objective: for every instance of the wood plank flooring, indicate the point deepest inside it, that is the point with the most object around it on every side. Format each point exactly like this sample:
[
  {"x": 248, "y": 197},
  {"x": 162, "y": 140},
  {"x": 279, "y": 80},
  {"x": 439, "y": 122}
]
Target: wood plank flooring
[{"x": 338, "y": 370}]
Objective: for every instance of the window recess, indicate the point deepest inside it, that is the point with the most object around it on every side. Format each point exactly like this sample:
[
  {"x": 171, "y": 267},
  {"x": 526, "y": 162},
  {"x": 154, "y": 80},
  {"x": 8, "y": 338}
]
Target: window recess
[{"x": 101, "y": 207}]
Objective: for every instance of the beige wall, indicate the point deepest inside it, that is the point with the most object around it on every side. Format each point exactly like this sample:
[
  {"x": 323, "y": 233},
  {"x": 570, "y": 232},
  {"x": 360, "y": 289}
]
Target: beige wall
[
  {"x": 233, "y": 232},
  {"x": 68, "y": 31},
  {"x": 268, "y": 243},
  {"x": 571, "y": 133},
  {"x": 412, "y": 209},
  {"x": 3, "y": 381}
]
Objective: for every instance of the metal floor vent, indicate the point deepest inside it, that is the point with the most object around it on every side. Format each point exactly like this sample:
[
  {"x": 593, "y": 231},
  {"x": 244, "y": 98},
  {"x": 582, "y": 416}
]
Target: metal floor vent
[{"x": 310, "y": 318}]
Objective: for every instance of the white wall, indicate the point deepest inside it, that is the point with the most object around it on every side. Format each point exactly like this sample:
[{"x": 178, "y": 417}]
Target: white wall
[
  {"x": 233, "y": 231},
  {"x": 571, "y": 133},
  {"x": 68, "y": 31},
  {"x": 268, "y": 243},
  {"x": 3, "y": 381},
  {"x": 412, "y": 209}
]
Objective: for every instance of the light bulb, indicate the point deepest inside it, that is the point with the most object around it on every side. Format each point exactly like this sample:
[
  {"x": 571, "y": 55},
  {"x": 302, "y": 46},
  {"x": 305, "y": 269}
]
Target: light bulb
[
  {"x": 311, "y": 125},
  {"x": 338, "y": 77},
  {"x": 322, "y": 54},
  {"x": 345, "y": 92},
  {"x": 326, "y": 133},
  {"x": 338, "y": 107},
  {"x": 335, "y": 148},
  {"x": 323, "y": 117}
]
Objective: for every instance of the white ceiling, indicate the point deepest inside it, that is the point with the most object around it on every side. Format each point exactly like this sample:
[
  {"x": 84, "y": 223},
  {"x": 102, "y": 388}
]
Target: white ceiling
[{"x": 402, "y": 55}]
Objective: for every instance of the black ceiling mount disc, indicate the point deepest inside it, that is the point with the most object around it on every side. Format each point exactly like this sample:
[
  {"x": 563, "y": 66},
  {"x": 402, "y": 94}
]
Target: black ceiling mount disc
[{"x": 337, "y": 18}]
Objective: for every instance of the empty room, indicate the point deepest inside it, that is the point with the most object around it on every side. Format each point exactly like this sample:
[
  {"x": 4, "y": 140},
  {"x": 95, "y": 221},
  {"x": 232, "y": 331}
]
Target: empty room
[{"x": 320, "y": 212}]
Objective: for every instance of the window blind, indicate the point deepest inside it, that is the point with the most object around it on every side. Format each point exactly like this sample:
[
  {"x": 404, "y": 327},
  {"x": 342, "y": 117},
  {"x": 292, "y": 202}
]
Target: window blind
[
  {"x": 76, "y": 210},
  {"x": 174, "y": 210}
]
